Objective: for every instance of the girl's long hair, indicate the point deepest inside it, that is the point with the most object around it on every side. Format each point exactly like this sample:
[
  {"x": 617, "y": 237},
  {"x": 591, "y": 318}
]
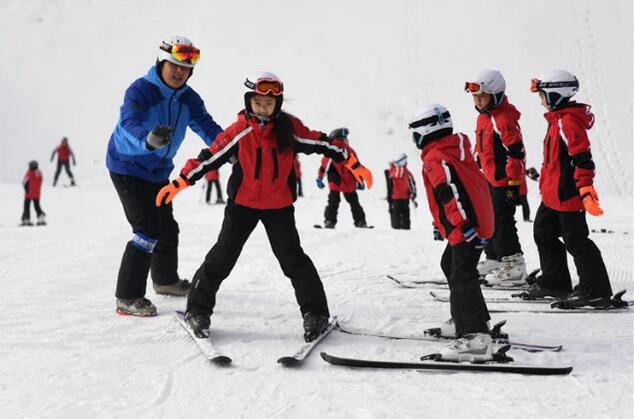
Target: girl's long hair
[{"x": 283, "y": 131}]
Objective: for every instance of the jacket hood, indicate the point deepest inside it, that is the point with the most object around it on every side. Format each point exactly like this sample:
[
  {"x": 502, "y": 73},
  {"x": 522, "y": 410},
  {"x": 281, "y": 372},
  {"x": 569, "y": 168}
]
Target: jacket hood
[
  {"x": 578, "y": 111},
  {"x": 506, "y": 106}
]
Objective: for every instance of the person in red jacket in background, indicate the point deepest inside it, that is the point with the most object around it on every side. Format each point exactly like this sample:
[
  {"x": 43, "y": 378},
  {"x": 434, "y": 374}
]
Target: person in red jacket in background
[
  {"x": 262, "y": 143},
  {"x": 567, "y": 191},
  {"x": 297, "y": 166},
  {"x": 500, "y": 152},
  {"x": 64, "y": 154},
  {"x": 460, "y": 204},
  {"x": 32, "y": 183},
  {"x": 340, "y": 180},
  {"x": 401, "y": 188},
  {"x": 213, "y": 179}
]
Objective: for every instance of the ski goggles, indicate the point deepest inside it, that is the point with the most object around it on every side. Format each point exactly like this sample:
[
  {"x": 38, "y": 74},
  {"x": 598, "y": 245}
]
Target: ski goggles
[
  {"x": 474, "y": 88},
  {"x": 537, "y": 85},
  {"x": 266, "y": 86},
  {"x": 182, "y": 53}
]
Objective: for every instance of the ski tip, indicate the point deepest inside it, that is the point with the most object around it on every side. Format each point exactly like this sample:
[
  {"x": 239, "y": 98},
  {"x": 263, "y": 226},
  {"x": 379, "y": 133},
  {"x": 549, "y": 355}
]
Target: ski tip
[
  {"x": 221, "y": 360},
  {"x": 288, "y": 361}
]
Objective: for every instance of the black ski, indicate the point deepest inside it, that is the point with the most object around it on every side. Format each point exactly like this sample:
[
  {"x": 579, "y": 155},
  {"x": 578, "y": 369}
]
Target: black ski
[
  {"x": 204, "y": 344},
  {"x": 442, "y": 284},
  {"x": 617, "y": 305},
  {"x": 304, "y": 350},
  {"x": 447, "y": 366},
  {"x": 431, "y": 336}
]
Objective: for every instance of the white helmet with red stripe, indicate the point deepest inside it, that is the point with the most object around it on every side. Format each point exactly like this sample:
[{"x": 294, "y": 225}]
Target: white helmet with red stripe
[
  {"x": 264, "y": 83},
  {"x": 490, "y": 82},
  {"x": 165, "y": 52},
  {"x": 558, "y": 86}
]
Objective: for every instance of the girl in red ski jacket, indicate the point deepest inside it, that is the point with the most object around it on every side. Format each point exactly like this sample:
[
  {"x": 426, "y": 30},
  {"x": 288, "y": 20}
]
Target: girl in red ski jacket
[
  {"x": 500, "y": 152},
  {"x": 32, "y": 183},
  {"x": 567, "y": 191},
  {"x": 401, "y": 188},
  {"x": 64, "y": 154},
  {"x": 340, "y": 180},
  {"x": 213, "y": 180},
  {"x": 460, "y": 204},
  {"x": 262, "y": 143}
]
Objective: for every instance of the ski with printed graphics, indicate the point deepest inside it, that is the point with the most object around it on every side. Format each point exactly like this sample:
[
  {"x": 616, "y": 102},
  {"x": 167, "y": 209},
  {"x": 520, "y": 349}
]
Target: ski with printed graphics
[
  {"x": 442, "y": 284},
  {"x": 617, "y": 305},
  {"x": 510, "y": 300},
  {"x": 204, "y": 344},
  {"x": 501, "y": 364},
  {"x": 298, "y": 357},
  {"x": 433, "y": 335}
]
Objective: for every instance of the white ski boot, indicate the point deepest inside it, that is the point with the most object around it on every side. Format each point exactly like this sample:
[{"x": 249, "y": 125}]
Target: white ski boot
[
  {"x": 41, "y": 220},
  {"x": 487, "y": 265},
  {"x": 511, "y": 271},
  {"x": 474, "y": 347}
]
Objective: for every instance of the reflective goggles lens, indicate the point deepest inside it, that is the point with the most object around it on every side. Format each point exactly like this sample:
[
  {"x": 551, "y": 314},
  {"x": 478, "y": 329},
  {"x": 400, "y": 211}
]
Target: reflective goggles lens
[
  {"x": 534, "y": 85},
  {"x": 183, "y": 53},
  {"x": 472, "y": 87},
  {"x": 264, "y": 87}
]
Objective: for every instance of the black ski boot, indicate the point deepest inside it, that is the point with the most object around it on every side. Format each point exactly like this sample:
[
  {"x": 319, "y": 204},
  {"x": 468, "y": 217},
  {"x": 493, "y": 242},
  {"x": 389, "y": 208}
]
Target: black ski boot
[
  {"x": 329, "y": 224},
  {"x": 580, "y": 298},
  {"x": 314, "y": 325},
  {"x": 199, "y": 323}
]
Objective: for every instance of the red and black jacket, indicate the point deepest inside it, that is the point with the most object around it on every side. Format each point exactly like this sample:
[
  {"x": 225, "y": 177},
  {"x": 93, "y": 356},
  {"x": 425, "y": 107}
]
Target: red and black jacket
[
  {"x": 32, "y": 183},
  {"x": 340, "y": 178},
  {"x": 499, "y": 147},
  {"x": 457, "y": 192},
  {"x": 263, "y": 177},
  {"x": 212, "y": 175},
  {"x": 63, "y": 153},
  {"x": 567, "y": 164},
  {"x": 400, "y": 183}
]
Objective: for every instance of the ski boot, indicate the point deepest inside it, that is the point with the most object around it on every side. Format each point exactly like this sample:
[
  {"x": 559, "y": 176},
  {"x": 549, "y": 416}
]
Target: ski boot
[
  {"x": 220, "y": 201},
  {"x": 473, "y": 347},
  {"x": 141, "y": 307},
  {"x": 538, "y": 292},
  {"x": 511, "y": 272},
  {"x": 580, "y": 298},
  {"x": 179, "y": 289},
  {"x": 361, "y": 224},
  {"x": 329, "y": 224},
  {"x": 487, "y": 265},
  {"x": 26, "y": 222},
  {"x": 446, "y": 330},
  {"x": 41, "y": 220},
  {"x": 199, "y": 324},
  {"x": 314, "y": 325}
]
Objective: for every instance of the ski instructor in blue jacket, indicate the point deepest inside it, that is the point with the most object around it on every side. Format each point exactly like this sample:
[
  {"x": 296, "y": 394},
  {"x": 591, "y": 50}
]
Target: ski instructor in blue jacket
[{"x": 156, "y": 111}]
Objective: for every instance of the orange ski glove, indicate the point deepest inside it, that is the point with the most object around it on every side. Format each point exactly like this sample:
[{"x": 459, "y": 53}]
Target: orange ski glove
[
  {"x": 590, "y": 200},
  {"x": 361, "y": 173},
  {"x": 169, "y": 191}
]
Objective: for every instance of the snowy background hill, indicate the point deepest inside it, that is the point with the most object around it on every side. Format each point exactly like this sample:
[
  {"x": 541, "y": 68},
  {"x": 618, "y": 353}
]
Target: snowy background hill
[{"x": 364, "y": 65}]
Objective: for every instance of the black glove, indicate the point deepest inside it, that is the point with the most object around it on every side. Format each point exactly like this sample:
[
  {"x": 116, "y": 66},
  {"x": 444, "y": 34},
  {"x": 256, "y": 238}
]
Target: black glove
[
  {"x": 360, "y": 186},
  {"x": 513, "y": 195},
  {"x": 532, "y": 173},
  {"x": 159, "y": 137},
  {"x": 437, "y": 235}
]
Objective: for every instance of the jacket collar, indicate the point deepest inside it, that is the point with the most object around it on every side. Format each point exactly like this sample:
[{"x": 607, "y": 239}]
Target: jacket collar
[{"x": 153, "y": 77}]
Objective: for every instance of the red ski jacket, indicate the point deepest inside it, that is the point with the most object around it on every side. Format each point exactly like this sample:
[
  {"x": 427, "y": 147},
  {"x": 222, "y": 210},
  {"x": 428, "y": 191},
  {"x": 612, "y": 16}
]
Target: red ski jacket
[
  {"x": 401, "y": 183},
  {"x": 32, "y": 184},
  {"x": 298, "y": 168},
  {"x": 212, "y": 175},
  {"x": 567, "y": 164},
  {"x": 63, "y": 152},
  {"x": 499, "y": 147},
  {"x": 340, "y": 179},
  {"x": 262, "y": 176},
  {"x": 457, "y": 192}
]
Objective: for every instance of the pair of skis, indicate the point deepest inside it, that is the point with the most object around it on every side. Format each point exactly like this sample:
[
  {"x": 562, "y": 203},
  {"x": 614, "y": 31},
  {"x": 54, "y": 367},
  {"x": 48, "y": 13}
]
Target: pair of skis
[
  {"x": 441, "y": 283},
  {"x": 216, "y": 357}
]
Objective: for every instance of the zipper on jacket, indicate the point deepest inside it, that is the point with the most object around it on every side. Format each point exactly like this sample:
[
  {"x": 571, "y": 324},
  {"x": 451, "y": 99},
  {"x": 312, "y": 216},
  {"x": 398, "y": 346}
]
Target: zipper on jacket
[
  {"x": 275, "y": 164},
  {"x": 258, "y": 162}
]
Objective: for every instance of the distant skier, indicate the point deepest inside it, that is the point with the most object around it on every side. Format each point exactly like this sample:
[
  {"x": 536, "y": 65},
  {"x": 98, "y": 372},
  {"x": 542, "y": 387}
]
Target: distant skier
[
  {"x": 32, "y": 183},
  {"x": 64, "y": 155},
  {"x": 156, "y": 111},
  {"x": 567, "y": 191},
  {"x": 401, "y": 188},
  {"x": 500, "y": 152},
  {"x": 297, "y": 166},
  {"x": 213, "y": 180},
  {"x": 340, "y": 180},
  {"x": 460, "y": 205},
  {"x": 263, "y": 143}
]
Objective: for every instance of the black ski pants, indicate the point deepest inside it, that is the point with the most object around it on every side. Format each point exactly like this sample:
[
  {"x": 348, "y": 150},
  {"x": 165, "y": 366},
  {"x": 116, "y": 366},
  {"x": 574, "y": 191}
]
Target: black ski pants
[
  {"x": 137, "y": 197},
  {"x": 66, "y": 165},
  {"x": 504, "y": 241},
  {"x": 330, "y": 214},
  {"x": 548, "y": 227},
  {"x": 210, "y": 185},
  {"x": 468, "y": 309},
  {"x": 526, "y": 209},
  {"x": 26, "y": 214},
  {"x": 281, "y": 231},
  {"x": 399, "y": 214}
]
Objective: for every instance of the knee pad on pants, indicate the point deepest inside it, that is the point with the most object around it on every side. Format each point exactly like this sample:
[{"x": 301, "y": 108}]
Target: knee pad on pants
[{"x": 143, "y": 242}]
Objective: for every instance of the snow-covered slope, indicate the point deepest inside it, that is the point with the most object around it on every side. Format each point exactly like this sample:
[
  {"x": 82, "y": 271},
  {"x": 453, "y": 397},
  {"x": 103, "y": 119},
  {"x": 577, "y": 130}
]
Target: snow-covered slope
[{"x": 364, "y": 65}]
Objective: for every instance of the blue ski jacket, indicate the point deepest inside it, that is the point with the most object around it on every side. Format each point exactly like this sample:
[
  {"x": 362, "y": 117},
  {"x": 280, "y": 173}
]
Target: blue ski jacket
[{"x": 150, "y": 102}]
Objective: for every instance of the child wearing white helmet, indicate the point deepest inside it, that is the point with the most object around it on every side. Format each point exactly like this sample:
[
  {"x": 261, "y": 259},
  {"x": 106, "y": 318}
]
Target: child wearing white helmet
[
  {"x": 156, "y": 112},
  {"x": 500, "y": 153},
  {"x": 567, "y": 192},
  {"x": 261, "y": 145},
  {"x": 401, "y": 189},
  {"x": 460, "y": 205}
]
